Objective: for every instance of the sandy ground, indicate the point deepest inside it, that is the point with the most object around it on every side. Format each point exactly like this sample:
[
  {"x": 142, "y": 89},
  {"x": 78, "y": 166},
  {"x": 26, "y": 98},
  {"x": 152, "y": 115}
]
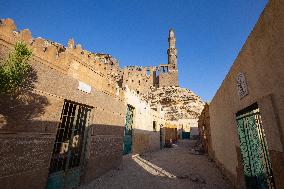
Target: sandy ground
[{"x": 169, "y": 168}]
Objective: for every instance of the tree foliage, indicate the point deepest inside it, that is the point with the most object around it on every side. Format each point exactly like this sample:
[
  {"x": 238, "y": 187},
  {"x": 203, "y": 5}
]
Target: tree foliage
[{"x": 14, "y": 70}]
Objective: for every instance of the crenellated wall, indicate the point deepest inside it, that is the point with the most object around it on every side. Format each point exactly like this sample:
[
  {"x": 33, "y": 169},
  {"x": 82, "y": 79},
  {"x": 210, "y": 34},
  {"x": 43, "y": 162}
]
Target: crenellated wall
[
  {"x": 139, "y": 78},
  {"x": 143, "y": 79},
  {"x": 101, "y": 71},
  {"x": 30, "y": 119}
]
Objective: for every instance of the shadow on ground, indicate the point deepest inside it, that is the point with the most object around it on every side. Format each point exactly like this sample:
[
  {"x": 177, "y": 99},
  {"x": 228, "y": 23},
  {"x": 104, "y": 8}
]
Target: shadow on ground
[{"x": 175, "y": 168}]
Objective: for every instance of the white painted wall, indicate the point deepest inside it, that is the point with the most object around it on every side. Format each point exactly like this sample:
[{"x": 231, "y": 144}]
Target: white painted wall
[{"x": 144, "y": 115}]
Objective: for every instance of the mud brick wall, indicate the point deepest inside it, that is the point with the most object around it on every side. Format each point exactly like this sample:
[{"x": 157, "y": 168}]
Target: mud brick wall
[
  {"x": 145, "y": 141},
  {"x": 24, "y": 160},
  {"x": 105, "y": 132},
  {"x": 104, "y": 150},
  {"x": 36, "y": 111}
]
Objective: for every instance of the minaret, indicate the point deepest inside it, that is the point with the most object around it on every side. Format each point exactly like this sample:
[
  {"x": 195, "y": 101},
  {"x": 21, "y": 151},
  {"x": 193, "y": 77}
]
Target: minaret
[{"x": 172, "y": 51}]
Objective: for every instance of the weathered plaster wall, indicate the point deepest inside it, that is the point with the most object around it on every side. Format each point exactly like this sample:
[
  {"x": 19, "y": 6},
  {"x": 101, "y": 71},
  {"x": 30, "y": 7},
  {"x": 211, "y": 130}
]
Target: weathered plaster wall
[
  {"x": 171, "y": 133},
  {"x": 186, "y": 125},
  {"x": 261, "y": 60},
  {"x": 145, "y": 139}
]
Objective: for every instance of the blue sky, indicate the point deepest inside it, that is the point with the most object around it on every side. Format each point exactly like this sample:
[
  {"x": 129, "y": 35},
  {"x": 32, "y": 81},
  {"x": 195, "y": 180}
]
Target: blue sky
[{"x": 209, "y": 33}]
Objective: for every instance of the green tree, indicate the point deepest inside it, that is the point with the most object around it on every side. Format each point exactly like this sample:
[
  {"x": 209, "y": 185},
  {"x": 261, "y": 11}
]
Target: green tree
[{"x": 14, "y": 70}]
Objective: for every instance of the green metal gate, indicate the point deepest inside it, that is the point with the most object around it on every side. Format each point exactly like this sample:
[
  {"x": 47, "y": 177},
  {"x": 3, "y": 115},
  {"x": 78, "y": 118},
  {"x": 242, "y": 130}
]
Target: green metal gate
[
  {"x": 127, "y": 144},
  {"x": 65, "y": 166},
  {"x": 185, "y": 135},
  {"x": 161, "y": 136},
  {"x": 253, "y": 146}
]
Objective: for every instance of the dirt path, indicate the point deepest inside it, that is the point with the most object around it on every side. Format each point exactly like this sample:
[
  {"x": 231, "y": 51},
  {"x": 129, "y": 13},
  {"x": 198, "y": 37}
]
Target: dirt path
[{"x": 168, "y": 168}]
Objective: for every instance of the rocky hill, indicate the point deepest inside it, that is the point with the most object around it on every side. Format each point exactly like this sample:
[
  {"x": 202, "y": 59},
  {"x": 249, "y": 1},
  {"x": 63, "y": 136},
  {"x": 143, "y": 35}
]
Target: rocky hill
[{"x": 176, "y": 102}]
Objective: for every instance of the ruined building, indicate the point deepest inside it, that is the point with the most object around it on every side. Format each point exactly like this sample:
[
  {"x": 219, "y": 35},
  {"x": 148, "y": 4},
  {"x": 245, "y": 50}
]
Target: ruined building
[
  {"x": 142, "y": 79},
  {"x": 159, "y": 87},
  {"x": 181, "y": 107}
]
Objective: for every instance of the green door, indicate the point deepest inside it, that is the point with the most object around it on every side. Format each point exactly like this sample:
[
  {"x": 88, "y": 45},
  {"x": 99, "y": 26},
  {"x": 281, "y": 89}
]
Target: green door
[
  {"x": 127, "y": 143},
  {"x": 65, "y": 165},
  {"x": 253, "y": 146},
  {"x": 161, "y": 137},
  {"x": 185, "y": 135}
]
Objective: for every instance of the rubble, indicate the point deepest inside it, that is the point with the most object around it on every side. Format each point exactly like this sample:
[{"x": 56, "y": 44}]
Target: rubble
[{"x": 176, "y": 102}]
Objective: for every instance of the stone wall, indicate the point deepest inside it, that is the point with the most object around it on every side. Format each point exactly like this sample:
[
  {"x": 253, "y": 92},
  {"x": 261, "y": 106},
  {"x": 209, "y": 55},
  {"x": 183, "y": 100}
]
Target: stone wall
[
  {"x": 177, "y": 103},
  {"x": 204, "y": 130},
  {"x": 143, "y": 79},
  {"x": 168, "y": 79},
  {"x": 139, "y": 79},
  {"x": 180, "y": 106},
  {"x": 261, "y": 61}
]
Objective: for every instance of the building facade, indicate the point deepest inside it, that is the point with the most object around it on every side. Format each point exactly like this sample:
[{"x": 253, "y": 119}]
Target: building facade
[
  {"x": 147, "y": 128},
  {"x": 76, "y": 117},
  {"x": 246, "y": 113},
  {"x": 67, "y": 128}
]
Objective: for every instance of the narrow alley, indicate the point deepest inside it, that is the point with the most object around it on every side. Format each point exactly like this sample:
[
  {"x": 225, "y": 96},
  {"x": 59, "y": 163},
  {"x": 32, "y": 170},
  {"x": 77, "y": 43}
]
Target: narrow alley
[
  {"x": 175, "y": 167},
  {"x": 147, "y": 95}
]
